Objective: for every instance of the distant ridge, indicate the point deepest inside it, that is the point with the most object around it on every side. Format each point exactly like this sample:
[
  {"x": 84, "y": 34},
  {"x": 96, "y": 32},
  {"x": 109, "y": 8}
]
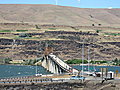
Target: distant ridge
[{"x": 59, "y": 15}]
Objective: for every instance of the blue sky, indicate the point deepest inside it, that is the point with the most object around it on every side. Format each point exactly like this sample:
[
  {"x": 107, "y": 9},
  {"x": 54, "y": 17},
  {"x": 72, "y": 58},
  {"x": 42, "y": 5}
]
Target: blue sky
[{"x": 74, "y": 3}]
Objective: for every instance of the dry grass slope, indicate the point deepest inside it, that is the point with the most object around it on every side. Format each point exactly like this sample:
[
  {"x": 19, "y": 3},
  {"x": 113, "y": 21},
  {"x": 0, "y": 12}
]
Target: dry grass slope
[{"x": 61, "y": 15}]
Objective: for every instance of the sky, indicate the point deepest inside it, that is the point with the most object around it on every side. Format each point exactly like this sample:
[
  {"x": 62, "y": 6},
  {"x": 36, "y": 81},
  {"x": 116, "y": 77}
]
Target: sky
[{"x": 73, "y": 3}]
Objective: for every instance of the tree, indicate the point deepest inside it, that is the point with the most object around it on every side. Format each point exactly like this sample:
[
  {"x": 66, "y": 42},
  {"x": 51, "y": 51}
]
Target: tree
[
  {"x": 93, "y": 24},
  {"x": 97, "y": 31},
  {"x": 7, "y": 60}
]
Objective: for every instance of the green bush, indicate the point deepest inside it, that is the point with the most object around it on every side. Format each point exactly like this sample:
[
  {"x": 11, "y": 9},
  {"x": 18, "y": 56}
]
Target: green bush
[
  {"x": 5, "y": 30},
  {"x": 97, "y": 31},
  {"x": 116, "y": 62},
  {"x": 30, "y": 62},
  {"x": 21, "y": 30},
  {"x": 114, "y": 34},
  {"x": 93, "y": 62},
  {"x": 76, "y": 61},
  {"x": 7, "y": 60}
]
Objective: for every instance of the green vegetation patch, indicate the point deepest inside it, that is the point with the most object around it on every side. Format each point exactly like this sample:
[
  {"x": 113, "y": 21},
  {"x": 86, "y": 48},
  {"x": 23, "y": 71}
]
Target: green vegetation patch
[
  {"x": 116, "y": 62},
  {"x": 98, "y": 31},
  {"x": 98, "y": 62},
  {"x": 21, "y": 30},
  {"x": 5, "y": 30},
  {"x": 114, "y": 34},
  {"x": 76, "y": 61},
  {"x": 6, "y": 60},
  {"x": 31, "y": 62},
  {"x": 52, "y": 28}
]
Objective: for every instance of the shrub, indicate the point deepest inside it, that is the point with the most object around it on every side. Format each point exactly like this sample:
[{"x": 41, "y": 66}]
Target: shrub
[
  {"x": 21, "y": 30},
  {"x": 97, "y": 31},
  {"x": 7, "y": 60},
  {"x": 76, "y": 61},
  {"x": 93, "y": 62},
  {"x": 112, "y": 34},
  {"x": 5, "y": 30}
]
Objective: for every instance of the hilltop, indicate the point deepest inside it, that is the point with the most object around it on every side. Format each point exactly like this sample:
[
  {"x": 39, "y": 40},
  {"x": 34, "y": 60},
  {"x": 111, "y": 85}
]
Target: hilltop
[{"x": 59, "y": 15}]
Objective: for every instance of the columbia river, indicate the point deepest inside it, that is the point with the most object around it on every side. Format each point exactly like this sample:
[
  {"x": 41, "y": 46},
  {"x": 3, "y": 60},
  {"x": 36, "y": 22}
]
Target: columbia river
[{"x": 7, "y": 71}]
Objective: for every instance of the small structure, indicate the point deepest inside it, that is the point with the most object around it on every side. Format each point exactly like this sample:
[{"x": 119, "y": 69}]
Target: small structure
[
  {"x": 16, "y": 61},
  {"x": 108, "y": 75}
]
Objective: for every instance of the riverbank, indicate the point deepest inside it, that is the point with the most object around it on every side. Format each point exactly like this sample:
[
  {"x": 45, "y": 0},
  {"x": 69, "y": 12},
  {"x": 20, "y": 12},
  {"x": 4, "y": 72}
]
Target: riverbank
[
  {"x": 68, "y": 64},
  {"x": 91, "y": 65}
]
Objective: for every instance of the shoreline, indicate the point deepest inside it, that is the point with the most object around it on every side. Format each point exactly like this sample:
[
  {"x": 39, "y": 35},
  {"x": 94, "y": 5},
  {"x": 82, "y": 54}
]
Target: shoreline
[
  {"x": 18, "y": 65},
  {"x": 68, "y": 64},
  {"x": 89, "y": 65}
]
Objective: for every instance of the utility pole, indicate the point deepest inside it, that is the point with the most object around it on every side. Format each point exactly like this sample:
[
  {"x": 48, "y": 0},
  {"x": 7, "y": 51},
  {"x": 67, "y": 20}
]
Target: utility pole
[
  {"x": 56, "y": 2},
  {"x": 88, "y": 59},
  {"x": 36, "y": 67},
  {"x": 82, "y": 58}
]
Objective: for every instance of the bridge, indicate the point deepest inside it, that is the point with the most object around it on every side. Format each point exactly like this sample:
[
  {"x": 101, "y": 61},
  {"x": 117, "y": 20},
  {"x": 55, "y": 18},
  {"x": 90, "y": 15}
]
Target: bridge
[{"x": 55, "y": 65}]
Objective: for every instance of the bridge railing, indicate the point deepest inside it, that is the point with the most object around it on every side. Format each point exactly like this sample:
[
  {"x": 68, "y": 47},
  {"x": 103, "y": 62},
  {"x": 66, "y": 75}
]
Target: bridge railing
[{"x": 62, "y": 63}]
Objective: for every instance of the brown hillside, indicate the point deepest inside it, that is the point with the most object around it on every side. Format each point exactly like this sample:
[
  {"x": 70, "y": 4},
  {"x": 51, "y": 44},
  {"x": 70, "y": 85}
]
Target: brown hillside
[
  {"x": 60, "y": 15},
  {"x": 25, "y": 29}
]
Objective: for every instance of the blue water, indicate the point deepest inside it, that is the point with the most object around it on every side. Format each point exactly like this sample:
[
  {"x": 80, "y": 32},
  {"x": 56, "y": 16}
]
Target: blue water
[
  {"x": 16, "y": 71},
  {"x": 7, "y": 71},
  {"x": 97, "y": 68}
]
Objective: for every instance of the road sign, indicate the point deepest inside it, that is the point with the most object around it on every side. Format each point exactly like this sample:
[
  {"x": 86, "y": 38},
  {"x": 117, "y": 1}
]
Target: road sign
[{"x": 116, "y": 72}]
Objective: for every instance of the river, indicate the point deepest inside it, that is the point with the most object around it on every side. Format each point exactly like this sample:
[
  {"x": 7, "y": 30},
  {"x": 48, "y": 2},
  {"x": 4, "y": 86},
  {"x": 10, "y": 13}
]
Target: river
[
  {"x": 7, "y": 71},
  {"x": 18, "y": 70}
]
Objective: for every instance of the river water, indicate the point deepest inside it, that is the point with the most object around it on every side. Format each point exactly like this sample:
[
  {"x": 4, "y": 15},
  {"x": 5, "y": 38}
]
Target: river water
[
  {"x": 7, "y": 71},
  {"x": 16, "y": 71}
]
